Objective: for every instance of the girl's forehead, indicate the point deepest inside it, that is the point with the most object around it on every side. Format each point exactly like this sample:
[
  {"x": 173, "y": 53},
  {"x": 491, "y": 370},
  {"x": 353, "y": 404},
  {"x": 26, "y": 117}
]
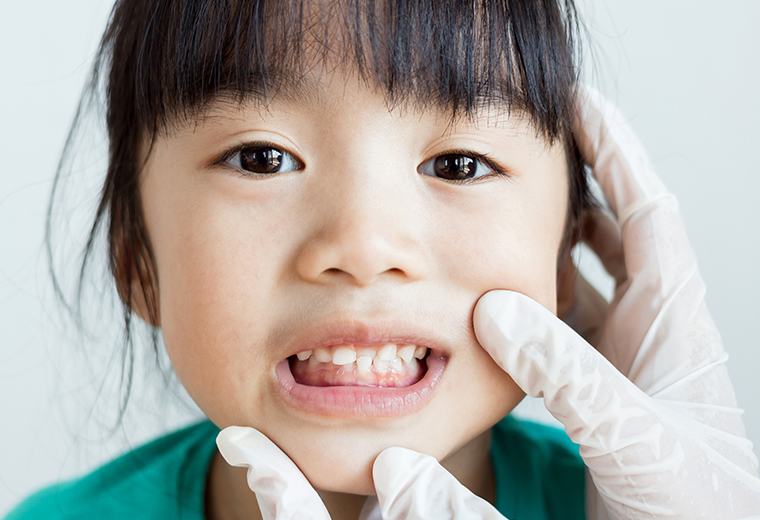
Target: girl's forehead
[{"x": 323, "y": 93}]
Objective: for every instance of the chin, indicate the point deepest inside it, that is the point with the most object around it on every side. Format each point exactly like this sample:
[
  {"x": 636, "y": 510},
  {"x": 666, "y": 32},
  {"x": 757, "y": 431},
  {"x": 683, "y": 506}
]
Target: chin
[
  {"x": 339, "y": 459},
  {"x": 352, "y": 474}
]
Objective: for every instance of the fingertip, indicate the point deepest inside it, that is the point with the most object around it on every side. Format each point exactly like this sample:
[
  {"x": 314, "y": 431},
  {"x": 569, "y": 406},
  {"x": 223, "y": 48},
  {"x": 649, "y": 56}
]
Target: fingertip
[
  {"x": 232, "y": 433},
  {"x": 240, "y": 445},
  {"x": 396, "y": 465},
  {"x": 396, "y": 459},
  {"x": 506, "y": 307},
  {"x": 491, "y": 303}
]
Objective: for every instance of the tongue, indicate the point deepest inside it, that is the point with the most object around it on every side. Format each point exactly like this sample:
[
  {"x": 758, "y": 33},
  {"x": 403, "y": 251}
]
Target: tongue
[{"x": 329, "y": 374}]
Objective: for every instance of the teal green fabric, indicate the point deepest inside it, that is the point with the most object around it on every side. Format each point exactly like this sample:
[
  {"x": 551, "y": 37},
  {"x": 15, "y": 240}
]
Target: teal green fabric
[
  {"x": 162, "y": 480},
  {"x": 539, "y": 476},
  {"x": 538, "y": 471}
]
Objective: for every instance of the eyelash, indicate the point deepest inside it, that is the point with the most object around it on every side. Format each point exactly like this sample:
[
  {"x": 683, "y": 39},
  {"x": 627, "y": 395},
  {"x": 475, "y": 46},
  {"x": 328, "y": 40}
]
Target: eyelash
[
  {"x": 223, "y": 159},
  {"x": 496, "y": 169}
]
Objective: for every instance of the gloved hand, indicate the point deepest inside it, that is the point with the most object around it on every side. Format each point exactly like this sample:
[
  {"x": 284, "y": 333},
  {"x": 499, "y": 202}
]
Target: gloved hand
[
  {"x": 282, "y": 491},
  {"x": 414, "y": 486},
  {"x": 653, "y": 409},
  {"x": 410, "y": 485}
]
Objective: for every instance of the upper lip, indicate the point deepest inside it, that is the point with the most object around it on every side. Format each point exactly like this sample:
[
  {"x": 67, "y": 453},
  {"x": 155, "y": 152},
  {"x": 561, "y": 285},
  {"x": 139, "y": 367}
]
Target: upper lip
[{"x": 363, "y": 332}]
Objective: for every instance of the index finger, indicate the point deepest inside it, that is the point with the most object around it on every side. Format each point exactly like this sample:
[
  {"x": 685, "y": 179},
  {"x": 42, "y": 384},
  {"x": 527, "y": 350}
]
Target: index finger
[{"x": 282, "y": 491}]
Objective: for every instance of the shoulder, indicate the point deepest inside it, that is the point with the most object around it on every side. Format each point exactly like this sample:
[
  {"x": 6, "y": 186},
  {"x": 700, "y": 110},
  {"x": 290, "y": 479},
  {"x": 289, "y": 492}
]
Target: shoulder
[
  {"x": 539, "y": 471},
  {"x": 164, "y": 478}
]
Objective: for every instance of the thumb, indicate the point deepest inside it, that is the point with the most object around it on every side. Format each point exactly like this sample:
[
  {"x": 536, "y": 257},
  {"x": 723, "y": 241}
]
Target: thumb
[
  {"x": 546, "y": 358},
  {"x": 414, "y": 486},
  {"x": 282, "y": 491}
]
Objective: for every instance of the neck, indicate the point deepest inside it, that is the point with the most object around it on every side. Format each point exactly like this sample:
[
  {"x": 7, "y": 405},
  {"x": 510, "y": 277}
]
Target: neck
[{"x": 228, "y": 496}]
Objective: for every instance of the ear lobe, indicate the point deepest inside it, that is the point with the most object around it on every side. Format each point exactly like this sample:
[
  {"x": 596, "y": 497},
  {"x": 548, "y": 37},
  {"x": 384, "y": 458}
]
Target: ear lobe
[
  {"x": 567, "y": 273},
  {"x": 566, "y": 286},
  {"x": 144, "y": 301},
  {"x": 134, "y": 274}
]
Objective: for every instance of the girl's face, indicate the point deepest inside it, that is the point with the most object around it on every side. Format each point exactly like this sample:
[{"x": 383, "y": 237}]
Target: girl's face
[{"x": 334, "y": 227}]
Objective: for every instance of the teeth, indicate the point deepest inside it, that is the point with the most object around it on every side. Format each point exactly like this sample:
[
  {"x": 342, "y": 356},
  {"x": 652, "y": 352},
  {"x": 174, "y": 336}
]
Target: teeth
[
  {"x": 366, "y": 351},
  {"x": 363, "y": 364},
  {"x": 322, "y": 355},
  {"x": 406, "y": 353},
  {"x": 343, "y": 356},
  {"x": 388, "y": 352},
  {"x": 364, "y": 359}
]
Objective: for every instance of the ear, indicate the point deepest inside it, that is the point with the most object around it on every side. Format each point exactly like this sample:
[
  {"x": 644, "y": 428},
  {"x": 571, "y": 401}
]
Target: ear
[
  {"x": 566, "y": 277},
  {"x": 567, "y": 273},
  {"x": 133, "y": 270}
]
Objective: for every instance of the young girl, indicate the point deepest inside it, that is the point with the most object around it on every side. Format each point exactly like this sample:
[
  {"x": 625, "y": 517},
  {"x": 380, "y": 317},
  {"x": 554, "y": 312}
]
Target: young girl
[{"x": 309, "y": 199}]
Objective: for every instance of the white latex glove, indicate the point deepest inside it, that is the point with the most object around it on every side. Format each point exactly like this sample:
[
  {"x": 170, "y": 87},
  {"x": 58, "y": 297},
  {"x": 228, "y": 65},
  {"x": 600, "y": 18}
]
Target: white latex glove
[
  {"x": 283, "y": 493},
  {"x": 413, "y": 486},
  {"x": 653, "y": 410}
]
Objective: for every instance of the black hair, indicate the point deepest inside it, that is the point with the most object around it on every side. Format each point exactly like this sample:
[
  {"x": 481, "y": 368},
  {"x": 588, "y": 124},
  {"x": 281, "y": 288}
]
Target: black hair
[{"x": 164, "y": 60}]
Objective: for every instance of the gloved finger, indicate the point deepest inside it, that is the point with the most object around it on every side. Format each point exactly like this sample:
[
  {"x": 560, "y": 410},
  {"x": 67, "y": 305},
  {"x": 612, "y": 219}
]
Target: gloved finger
[
  {"x": 616, "y": 156},
  {"x": 282, "y": 491},
  {"x": 654, "y": 240},
  {"x": 647, "y": 459},
  {"x": 602, "y": 234},
  {"x": 651, "y": 335},
  {"x": 546, "y": 358},
  {"x": 414, "y": 486}
]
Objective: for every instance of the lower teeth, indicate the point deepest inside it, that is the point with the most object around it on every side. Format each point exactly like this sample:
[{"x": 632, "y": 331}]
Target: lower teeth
[{"x": 314, "y": 373}]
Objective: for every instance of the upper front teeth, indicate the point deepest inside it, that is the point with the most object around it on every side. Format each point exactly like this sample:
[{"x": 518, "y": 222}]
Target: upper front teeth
[
  {"x": 406, "y": 352},
  {"x": 390, "y": 354},
  {"x": 322, "y": 355},
  {"x": 343, "y": 356},
  {"x": 387, "y": 353}
]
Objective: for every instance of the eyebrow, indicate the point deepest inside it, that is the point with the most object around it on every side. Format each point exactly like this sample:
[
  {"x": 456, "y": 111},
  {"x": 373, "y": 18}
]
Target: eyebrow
[
  {"x": 307, "y": 91},
  {"x": 300, "y": 90},
  {"x": 304, "y": 91}
]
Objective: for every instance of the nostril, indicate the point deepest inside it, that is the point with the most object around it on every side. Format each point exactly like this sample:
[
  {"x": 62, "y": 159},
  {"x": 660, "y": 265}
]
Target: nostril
[{"x": 364, "y": 254}]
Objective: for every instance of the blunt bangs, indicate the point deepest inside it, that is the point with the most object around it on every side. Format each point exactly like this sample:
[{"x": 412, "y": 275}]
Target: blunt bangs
[{"x": 170, "y": 58}]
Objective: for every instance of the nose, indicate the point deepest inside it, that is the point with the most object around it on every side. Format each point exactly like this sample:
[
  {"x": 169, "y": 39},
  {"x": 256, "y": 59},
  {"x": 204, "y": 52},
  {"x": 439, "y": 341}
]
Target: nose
[{"x": 363, "y": 229}]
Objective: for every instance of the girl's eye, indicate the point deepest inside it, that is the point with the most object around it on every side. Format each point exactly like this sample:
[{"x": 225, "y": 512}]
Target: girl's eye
[
  {"x": 264, "y": 160},
  {"x": 456, "y": 167}
]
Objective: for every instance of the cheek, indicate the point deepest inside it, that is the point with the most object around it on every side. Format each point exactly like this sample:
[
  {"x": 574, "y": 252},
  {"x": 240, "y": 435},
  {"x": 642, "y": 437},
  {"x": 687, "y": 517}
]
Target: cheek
[
  {"x": 217, "y": 276},
  {"x": 507, "y": 238}
]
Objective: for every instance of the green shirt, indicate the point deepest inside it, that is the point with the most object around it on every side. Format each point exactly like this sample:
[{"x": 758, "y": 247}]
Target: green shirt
[{"x": 539, "y": 476}]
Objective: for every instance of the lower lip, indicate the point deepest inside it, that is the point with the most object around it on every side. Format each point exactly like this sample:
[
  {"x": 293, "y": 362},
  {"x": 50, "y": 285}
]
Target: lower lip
[{"x": 355, "y": 400}]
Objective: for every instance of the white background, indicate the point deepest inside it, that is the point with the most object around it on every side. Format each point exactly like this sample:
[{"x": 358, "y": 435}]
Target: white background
[{"x": 686, "y": 73}]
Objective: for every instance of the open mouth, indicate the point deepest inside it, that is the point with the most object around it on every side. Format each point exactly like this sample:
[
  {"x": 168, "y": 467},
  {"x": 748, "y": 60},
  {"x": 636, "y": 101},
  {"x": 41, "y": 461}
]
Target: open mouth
[{"x": 390, "y": 365}]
